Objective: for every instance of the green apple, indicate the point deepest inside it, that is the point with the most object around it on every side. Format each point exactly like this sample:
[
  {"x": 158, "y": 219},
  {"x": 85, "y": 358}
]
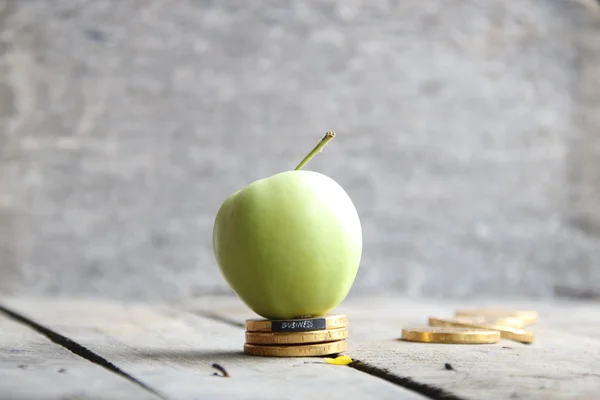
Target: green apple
[{"x": 289, "y": 245}]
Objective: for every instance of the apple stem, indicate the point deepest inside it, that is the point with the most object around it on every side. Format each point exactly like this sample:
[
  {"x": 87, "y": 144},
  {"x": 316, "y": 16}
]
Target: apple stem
[{"x": 318, "y": 148}]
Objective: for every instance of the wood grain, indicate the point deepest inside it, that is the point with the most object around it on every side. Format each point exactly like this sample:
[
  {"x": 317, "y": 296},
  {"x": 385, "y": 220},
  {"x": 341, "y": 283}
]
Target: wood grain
[
  {"x": 173, "y": 351},
  {"x": 563, "y": 363},
  {"x": 34, "y": 368}
]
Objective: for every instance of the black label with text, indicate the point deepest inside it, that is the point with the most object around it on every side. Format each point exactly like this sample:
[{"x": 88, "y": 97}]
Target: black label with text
[{"x": 301, "y": 325}]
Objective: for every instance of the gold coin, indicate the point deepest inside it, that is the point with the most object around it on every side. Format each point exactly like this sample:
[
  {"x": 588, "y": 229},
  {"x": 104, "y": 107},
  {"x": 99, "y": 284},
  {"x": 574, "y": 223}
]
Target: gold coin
[
  {"x": 452, "y": 335},
  {"x": 332, "y": 321},
  {"x": 507, "y": 332},
  {"x": 296, "y": 337},
  {"x": 302, "y": 350},
  {"x": 529, "y": 317},
  {"x": 513, "y": 322}
]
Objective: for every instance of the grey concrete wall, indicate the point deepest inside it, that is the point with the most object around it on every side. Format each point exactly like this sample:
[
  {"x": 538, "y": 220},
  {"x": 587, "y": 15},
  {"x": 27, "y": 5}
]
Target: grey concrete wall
[{"x": 467, "y": 137}]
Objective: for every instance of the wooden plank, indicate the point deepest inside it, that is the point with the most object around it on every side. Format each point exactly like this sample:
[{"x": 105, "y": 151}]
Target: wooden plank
[
  {"x": 32, "y": 368},
  {"x": 172, "y": 351},
  {"x": 563, "y": 363}
]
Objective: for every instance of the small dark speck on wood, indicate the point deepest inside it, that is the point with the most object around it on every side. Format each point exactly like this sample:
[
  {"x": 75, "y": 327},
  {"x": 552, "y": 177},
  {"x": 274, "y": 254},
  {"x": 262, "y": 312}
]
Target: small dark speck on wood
[
  {"x": 62, "y": 371},
  {"x": 448, "y": 367},
  {"x": 221, "y": 370}
]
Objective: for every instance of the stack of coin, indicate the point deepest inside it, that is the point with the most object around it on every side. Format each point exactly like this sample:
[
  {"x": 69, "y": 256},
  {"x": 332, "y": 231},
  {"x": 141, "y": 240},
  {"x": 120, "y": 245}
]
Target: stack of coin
[
  {"x": 476, "y": 326},
  {"x": 306, "y": 337}
]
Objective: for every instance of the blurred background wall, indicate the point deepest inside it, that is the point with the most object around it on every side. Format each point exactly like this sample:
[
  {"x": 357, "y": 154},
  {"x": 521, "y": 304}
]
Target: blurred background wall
[{"x": 468, "y": 137}]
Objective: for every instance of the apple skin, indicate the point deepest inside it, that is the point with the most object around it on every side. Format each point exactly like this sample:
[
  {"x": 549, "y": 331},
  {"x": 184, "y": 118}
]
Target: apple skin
[{"x": 289, "y": 245}]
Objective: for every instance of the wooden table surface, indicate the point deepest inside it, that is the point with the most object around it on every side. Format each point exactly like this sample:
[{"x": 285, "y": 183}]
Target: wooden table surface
[{"x": 97, "y": 349}]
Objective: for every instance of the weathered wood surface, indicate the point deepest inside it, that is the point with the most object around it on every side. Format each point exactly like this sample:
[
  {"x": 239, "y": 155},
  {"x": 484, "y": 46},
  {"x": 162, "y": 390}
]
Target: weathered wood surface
[
  {"x": 34, "y": 368},
  {"x": 563, "y": 363},
  {"x": 172, "y": 352}
]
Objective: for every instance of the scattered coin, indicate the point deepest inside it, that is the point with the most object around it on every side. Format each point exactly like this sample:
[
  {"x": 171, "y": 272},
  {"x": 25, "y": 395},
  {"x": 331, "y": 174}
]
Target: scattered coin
[
  {"x": 296, "y": 337},
  {"x": 507, "y": 332},
  {"x": 303, "y": 350},
  {"x": 513, "y": 322},
  {"x": 332, "y": 321},
  {"x": 529, "y": 317},
  {"x": 451, "y": 335}
]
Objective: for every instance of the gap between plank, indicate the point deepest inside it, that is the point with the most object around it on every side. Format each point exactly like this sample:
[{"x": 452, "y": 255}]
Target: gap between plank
[
  {"x": 219, "y": 318},
  {"x": 76, "y": 349},
  {"x": 428, "y": 391}
]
